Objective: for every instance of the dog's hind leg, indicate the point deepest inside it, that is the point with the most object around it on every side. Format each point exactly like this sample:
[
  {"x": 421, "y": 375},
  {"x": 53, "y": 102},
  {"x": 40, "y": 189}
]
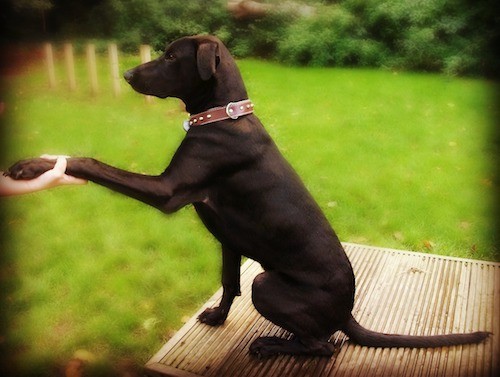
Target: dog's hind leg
[{"x": 302, "y": 311}]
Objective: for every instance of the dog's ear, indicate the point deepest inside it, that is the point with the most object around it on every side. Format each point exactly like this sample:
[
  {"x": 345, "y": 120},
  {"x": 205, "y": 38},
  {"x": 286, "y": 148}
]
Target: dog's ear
[{"x": 207, "y": 59}]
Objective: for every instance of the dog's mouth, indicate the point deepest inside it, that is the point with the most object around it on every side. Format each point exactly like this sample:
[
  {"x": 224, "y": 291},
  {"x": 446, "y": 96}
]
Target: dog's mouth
[
  {"x": 143, "y": 87},
  {"x": 148, "y": 83},
  {"x": 139, "y": 84}
]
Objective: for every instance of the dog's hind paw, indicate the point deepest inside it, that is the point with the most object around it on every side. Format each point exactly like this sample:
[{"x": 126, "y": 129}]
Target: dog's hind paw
[
  {"x": 270, "y": 346},
  {"x": 265, "y": 347}
]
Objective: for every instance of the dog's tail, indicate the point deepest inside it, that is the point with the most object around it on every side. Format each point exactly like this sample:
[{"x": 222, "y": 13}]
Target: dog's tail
[{"x": 365, "y": 337}]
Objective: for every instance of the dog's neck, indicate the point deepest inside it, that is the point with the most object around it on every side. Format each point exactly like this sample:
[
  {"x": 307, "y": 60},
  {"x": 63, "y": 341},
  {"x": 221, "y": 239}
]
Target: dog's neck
[
  {"x": 215, "y": 95},
  {"x": 224, "y": 87}
]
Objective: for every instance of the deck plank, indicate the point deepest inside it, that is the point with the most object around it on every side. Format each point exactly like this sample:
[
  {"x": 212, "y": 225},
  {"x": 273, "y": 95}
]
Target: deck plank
[{"x": 396, "y": 292}]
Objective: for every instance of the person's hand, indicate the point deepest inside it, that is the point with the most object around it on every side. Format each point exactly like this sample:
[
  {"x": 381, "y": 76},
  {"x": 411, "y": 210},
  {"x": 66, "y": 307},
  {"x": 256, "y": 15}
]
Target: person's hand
[
  {"x": 51, "y": 178},
  {"x": 56, "y": 176}
]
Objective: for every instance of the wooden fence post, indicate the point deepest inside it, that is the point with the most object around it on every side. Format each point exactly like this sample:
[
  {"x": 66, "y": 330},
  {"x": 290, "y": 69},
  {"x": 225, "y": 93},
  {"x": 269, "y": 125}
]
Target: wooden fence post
[
  {"x": 92, "y": 67},
  {"x": 115, "y": 74},
  {"x": 49, "y": 61},
  {"x": 145, "y": 52},
  {"x": 70, "y": 65}
]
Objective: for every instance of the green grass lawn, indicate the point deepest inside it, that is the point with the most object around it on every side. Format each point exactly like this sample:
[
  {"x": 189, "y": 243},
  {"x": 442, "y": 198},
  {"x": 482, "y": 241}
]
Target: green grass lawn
[{"x": 396, "y": 160}]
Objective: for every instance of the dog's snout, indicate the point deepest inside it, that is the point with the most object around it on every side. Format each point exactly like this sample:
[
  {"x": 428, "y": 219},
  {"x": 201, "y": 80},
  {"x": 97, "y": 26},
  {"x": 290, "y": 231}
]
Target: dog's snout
[{"x": 128, "y": 75}]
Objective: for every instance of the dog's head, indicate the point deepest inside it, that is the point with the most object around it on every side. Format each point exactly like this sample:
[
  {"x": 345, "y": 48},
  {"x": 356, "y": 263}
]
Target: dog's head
[{"x": 194, "y": 69}]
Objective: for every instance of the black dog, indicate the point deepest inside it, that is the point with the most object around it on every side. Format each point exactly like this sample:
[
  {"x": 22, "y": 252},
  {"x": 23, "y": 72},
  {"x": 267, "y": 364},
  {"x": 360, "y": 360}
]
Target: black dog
[{"x": 252, "y": 201}]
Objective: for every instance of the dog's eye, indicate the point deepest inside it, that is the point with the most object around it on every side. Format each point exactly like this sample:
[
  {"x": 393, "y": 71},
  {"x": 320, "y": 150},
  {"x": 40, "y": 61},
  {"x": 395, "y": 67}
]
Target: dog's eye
[{"x": 169, "y": 56}]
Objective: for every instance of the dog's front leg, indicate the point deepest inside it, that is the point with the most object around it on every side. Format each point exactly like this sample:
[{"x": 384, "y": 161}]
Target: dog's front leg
[
  {"x": 231, "y": 288},
  {"x": 153, "y": 190}
]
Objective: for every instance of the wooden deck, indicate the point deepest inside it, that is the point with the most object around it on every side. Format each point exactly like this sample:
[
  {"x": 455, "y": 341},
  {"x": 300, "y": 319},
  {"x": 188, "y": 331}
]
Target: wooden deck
[{"x": 397, "y": 291}]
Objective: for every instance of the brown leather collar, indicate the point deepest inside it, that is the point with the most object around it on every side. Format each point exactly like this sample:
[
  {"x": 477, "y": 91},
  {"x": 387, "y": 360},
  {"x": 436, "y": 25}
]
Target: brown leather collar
[{"x": 233, "y": 110}]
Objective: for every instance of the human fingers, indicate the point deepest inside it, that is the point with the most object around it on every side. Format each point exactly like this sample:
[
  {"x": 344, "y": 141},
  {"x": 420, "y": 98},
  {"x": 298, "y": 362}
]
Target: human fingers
[
  {"x": 53, "y": 156},
  {"x": 60, "y": 165},
  {"x": 60, "y": 168}
]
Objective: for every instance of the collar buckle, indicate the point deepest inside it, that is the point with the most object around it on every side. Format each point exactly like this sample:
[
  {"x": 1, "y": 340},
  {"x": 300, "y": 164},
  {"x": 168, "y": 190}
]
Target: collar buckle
[{"x": 230, "y": 110}]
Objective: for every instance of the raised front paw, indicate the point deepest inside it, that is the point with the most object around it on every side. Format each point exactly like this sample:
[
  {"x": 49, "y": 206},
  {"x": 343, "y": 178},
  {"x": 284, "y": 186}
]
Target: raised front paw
[
  {"x": 213, "y": 316},
  {"x": 29, "y": 169}
]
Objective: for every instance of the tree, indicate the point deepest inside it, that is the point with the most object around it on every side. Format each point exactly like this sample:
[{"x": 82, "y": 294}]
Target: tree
[{"x": 40, "y": 7}]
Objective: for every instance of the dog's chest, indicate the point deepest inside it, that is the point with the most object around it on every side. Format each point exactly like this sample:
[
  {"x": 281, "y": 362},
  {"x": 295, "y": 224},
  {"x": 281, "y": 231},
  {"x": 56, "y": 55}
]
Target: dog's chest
[{"x": 229, "y": 225}]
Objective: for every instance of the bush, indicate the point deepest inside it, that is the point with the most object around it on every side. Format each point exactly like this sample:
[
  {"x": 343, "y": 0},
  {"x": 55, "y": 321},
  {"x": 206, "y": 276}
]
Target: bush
[
  {"x": 257, "y": 37},
  {"x": 155, "y": 22},
  {"x": 334, "y": 37},
  {"x": 453, "y": 36}
]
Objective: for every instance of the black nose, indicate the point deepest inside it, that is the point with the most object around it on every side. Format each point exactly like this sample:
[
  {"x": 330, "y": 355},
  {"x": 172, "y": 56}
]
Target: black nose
[{"x": 128, "y": 75}]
